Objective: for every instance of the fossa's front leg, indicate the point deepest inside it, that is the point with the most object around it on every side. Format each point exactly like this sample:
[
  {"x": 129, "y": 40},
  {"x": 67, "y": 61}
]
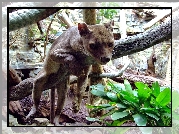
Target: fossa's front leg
[{"x": 81, "y": 87}]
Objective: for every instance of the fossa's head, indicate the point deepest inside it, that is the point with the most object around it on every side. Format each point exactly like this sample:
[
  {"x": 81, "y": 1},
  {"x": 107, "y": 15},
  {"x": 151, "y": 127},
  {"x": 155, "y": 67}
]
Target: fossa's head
[{"x": 98, "y": 40}]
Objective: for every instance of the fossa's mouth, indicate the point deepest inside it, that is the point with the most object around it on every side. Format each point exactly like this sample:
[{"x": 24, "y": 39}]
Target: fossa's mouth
[
  {"x": 102, "y": 62},
  {"x": 105, "y": 59}
]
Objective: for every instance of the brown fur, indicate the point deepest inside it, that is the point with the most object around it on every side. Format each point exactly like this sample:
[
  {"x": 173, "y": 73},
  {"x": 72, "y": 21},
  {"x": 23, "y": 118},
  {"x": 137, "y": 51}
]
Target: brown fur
[
  {"x": 151, "y": 65},
  {"x": 14, "y": 79},
  {"x": 73, "y": 53}
]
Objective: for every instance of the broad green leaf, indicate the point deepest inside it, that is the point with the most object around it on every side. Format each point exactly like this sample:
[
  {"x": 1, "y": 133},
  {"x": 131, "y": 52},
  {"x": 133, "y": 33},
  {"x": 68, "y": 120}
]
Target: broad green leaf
[
  {"x": 150, "y": 110},
  {"x": 105, "y": 105},
  {"x": 156, "y": 89},
  {"x": 140, "y": 119},
  {"x": 98, "y": 87},
  {"x": 113, "y": 87},
  {"x": 140, "y": 85},
  {"x": 147, "y": 104},
  {"x": 175, "y": 102},
  {"x": 132, "y": 101},
  {"x": 120, "y": 105},
  {"x": 166, "y": 109},
  {"x": 135, "y": 93},
  {"x": 118, "y": 123},
  {"x": 119, "y": 97},
  {"x": 153, "y": 116},
  {"x": 112, "y": 103},
  {"x": 99, "y": 93},
  {"x": 143, "y": 94},
  {"x": 128, "y": 86},
  {"x": 92, "y": 119},
  {"x": 130, "y": 98},
  {"x": 164, "y": 97},
  {"x": 143, "y": 91},
  {"x": 112, "y": 96},
  {"x": 119, "y": 86},
  {"x": 118, "y": 115}
]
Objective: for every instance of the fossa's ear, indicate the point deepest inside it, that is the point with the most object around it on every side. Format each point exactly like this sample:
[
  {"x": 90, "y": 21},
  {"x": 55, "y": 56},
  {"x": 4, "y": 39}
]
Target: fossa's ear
[
  {"x": 109, "y": 25},
  {"x": 83, "y": 29}
]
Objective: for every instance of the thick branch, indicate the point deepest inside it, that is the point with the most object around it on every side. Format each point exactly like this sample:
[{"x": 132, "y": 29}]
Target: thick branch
[
  {"x": 23, "y": 89},
  {"x": 142, "y": 41},
  {"x": 24, "y": 4},
  {"x": 25, "y": 17},
  {"x": 65, "y": 19}
]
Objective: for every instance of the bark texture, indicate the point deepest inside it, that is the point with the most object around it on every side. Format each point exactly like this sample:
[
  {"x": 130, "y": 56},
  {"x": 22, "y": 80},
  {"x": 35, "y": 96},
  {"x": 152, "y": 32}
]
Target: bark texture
[{"x": 25, "y": 17}]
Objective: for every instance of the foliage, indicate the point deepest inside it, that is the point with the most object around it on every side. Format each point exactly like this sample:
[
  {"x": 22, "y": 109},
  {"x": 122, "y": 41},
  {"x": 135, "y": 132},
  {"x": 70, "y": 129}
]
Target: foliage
[
  {"x": 146, "y": 106},
  {"x": 106, "y": 13}
]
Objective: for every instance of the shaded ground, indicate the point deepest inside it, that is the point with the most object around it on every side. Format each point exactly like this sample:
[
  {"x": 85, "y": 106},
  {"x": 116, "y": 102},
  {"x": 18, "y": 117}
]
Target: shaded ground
[{"x": 68, "y": 116}]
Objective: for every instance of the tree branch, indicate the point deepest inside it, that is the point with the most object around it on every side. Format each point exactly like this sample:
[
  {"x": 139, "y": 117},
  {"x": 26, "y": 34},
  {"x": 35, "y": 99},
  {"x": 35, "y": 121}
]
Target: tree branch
[
  {"x": 111, "y": 75},
  {"x": 23, "y": 4},
  {"x": 25, "y": 17},
  {"x": 23, "y": 89},
  {"x": 65, "y": 19},
  {"x": 142, "y": 41}
]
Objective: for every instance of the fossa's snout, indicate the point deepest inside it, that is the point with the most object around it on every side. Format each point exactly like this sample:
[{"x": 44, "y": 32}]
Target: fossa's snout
[{"x": 105, "y": 59}]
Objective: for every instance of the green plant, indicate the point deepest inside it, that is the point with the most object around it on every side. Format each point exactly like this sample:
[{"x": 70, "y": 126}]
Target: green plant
[
  {"x": 146, "y": 106},
  {"x": 106, "y": 13}
]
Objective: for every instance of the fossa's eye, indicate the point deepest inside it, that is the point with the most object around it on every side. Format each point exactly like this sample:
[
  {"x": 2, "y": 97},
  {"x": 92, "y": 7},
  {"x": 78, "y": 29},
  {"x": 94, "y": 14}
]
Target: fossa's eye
[
  {"x": 93, "y": 46},
  {"x": 110, "y": 45}
]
